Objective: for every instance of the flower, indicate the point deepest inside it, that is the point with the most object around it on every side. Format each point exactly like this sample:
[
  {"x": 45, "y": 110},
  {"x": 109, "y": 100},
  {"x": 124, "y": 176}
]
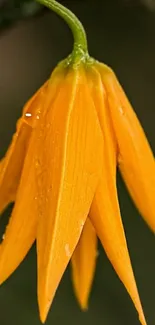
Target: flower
[
  {"x": 58, "y": 175},
  {"x": 60, "y": 170}
]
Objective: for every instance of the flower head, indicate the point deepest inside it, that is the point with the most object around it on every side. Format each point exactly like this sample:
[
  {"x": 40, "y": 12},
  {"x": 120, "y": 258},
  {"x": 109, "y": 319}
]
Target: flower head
[{"x": 60, "y": 170}]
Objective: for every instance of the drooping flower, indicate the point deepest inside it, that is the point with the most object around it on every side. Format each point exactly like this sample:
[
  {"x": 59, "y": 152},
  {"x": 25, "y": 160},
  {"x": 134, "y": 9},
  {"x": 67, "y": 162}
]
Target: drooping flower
[{"x": 60, "y": 170}]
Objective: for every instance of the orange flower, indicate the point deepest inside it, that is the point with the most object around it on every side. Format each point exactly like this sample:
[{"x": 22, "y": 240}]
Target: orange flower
[{"x": 61, "y": 171}]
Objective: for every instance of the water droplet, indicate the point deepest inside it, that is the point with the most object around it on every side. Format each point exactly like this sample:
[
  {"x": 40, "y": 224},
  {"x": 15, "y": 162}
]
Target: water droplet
[
  {"x": 28, "y": 114},
  {"x": 37, "y": 117},
  {"x": 37, "y": 163},
  {"x": 121, "y": 110},
  {"x": 81, "y": 225},
  {"x": 3, "y": 236},
  {"x": 67, "y": 250}
]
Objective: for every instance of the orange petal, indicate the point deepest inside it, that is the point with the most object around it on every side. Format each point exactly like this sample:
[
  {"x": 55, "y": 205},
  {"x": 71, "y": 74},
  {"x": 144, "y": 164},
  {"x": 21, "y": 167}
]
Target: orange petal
[
  {"x": 12, "y": 164},
  {"x": 21, "y": 230},
  {"x": 105, "y": 214},
  {"x": 69, "y": 163},
  {"x": 83, "y": 264},
  {"x": 136, "y": 161}
]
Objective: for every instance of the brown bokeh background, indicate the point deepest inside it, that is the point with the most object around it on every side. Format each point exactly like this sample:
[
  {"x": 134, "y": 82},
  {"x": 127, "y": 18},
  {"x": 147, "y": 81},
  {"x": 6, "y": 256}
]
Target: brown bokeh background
[{"x": 122, "y": 36}]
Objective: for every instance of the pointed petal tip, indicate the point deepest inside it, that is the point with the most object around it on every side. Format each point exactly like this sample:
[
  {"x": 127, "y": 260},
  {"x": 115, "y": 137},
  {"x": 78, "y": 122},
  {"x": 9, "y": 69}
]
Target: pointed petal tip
[
  {"x": 84, "y": 304},
  {"x": 142, "y": 320},
  {"x": 44, "y": 306},
  {"x": 83, "y": 264},
  {"x": 43, "y": 316},
  {"x": 82, "y": 300},
  {"x": 139, "y": 308}
]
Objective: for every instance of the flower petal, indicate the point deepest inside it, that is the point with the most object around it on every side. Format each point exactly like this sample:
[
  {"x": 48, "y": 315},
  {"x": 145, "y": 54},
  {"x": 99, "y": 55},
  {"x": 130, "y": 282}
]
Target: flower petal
[
  {"x": 21, "y": 230},
  {"x": 83, "y": 264},
  {"x": 104, "y": 212},
  {"x": 68, "y": 170},
  {"x": 12, "y": 164},
  {"x": 136, "y": 161}
]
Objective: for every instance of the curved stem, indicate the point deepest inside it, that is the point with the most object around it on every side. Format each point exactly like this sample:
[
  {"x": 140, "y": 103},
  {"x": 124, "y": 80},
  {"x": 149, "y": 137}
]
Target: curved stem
[{"x": 80, "y": 39}]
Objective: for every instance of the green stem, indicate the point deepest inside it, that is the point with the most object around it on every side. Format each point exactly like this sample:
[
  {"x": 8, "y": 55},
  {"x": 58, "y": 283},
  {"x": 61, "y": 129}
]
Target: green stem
[{"x": 80, "y": 50}]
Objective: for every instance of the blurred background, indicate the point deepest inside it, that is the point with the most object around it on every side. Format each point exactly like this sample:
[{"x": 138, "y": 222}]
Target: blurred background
[{"x": 121, "y": 33}]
